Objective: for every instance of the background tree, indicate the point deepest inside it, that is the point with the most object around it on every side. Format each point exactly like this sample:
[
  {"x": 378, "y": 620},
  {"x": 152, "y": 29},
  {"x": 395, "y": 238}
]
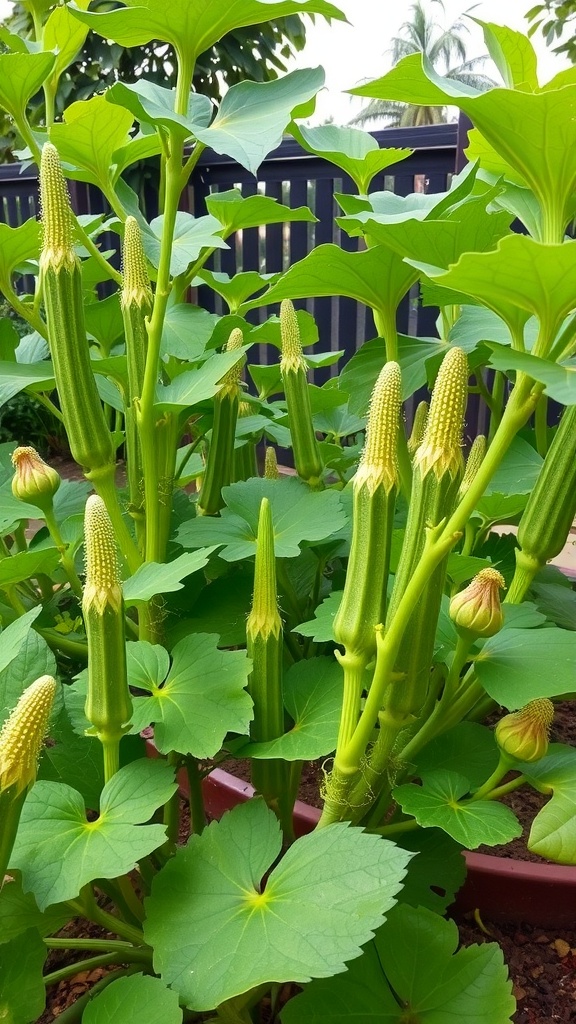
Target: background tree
[
  {"x": 556, "y": 18},
  {"x": 259, "y": 53},
  {"x": 445, "y": 48}
]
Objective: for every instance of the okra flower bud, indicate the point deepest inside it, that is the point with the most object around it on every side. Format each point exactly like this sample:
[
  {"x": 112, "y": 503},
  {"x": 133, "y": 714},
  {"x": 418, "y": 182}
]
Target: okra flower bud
[
  {"x": 271, "y": 464},
  {"x": 473, "y": 463},
  {"x": 418, "y": 427},
  {"x": 108, "y": 704},
  {"x": 22, "y": 735},
  {"x": 476, "y": 611},
  {"x": 524, "y": 735},
  {"x": 220, "y": 461},
  {"x": 34, "y": 480},
  {"x": 293, "y": 369}
]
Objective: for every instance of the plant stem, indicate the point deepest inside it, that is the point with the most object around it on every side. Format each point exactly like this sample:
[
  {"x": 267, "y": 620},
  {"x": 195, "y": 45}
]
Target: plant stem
[
  {"x": 541, "y": 426},
  {"x": 396, "y": 828},
  {"x": 66, "y": 562},
  {"x": 104, "y": 945},
  {"x": 502, "y": 769},
  {"x": 197, "y": 811},
  {"x": 88, "y": 908},
  {"x": 128, "y": 956}
]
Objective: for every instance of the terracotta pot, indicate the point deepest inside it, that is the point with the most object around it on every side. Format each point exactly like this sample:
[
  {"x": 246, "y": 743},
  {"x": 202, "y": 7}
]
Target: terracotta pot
[{"x": 501, "y": 889}]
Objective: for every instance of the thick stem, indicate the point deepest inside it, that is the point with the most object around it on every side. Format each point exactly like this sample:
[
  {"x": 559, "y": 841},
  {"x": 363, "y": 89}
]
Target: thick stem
[
  {"x": 65, "y": 560},
  {"x": 134, "y": 956},
  {"x": 197, "y": 809}
]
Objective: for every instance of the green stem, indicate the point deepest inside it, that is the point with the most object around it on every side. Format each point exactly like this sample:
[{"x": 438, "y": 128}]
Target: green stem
[
  {"x": 47, "y": 404},
  {"x": 497, "y": 403},
  {"x": 134, "y": 956},
  {"x": 88, "y": 908},
  {"x": 103, "y": 945},
  {"x": 111, "y": 753},
  {"x": 353, "y": 667},
  {"x": 502, "y": 769},
  {"x": 172, "y": 813},
  {"x": 10, "y": 808},
  {"x": 508, "y": 787},
  {"x": 58, "y": 642},
  {"x": 397, "y": 828},
  {"x": 541, "y": 426},
  {"x": 197, "y": 810},
  {"x": 26, "y": 312},
  {"x": 94, "y": 251},
  {"x": 65, "y": 560}
]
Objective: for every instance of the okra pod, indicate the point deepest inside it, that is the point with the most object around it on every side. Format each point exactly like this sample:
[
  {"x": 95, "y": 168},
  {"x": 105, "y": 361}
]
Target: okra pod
[
  {"x": 136, "y": 304},
  {"x": 293, "y": 367},
  {"x": 220, "y": 461},
  {"x": 245, "y": 456},
  {"x": 271, "y": 464},
  {"x": 418, "y": 428}
]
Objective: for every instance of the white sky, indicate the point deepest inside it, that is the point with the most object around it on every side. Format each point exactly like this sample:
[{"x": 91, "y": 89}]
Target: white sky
[{"x": 351, "y": 53}]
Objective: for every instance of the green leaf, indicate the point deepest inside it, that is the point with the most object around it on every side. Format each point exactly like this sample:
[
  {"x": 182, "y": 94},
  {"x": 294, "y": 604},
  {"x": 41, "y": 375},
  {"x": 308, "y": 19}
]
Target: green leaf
[
  {"x": 436, "y": 874},
  {"x": 557, "y": 603},
  {"x": 517, "y": 666},
  {"x": 13, "y": 637},
  {"x": 152, "y": 104},
  {"x": 312, "y": 691},
  {"x": 467, "y": 744},
  {"x": 321, "y": 627},
  {"x": 88, "y": 137},
  {"x": 33, "y": 659},
  {"x": 148, "y": 664},
  {"x": 477, "y": 324},
  {"x": 236, "y": 212},
  {"x": 26, "y": 564},
  {"x": 234, "y": 290},
  {"x": 187, "y": 330},
  {"x": 298, "y": 514},
  {"x": 163, "y": 578},
  {"x": 437, "y": 803},
  {"x": 513, "y": 55},
  {"x": 553, "y": 832},
  {"x": 22, "y": 989},
  {"x": 193, "y": 27},
  {"x": 17, "y": 376},
  {"x": 70, "y": 499},
  {"x": 412, "y": 972},
  {"x": 191, "y": 236},
  {"x": 559, "y": 380},
  {"x": 501, "y": 508},
  {"x": 104, "y": 321},
  {"x": 355, "y": 151},
  {"x": 202, "y": 699},
  {"x": 195, "y": 386},
  {"x": 518, "y": 471},
  {"x": 463, "y": 567},
  {"x": 253, "y": 115},
  {"x": 320, "y": 904},
  {"x": 135, "y": 1000},
  {"x": 58, "y": 850},
  {"x": 65, "y": 35},
  {"x": 19, "y": 913},
  {"x": 21, "y": 75},
  {"x": 222, "y": 608},
  {"x": 377, "y": 277},
  {"x": 17, "y": 245}
]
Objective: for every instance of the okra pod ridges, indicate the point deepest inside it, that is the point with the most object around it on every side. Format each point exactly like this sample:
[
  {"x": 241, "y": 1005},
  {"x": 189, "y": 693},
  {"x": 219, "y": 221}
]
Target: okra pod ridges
[
  {"x": 102, "y": 587},
  {"x": 136, "y": 290},
  {"x": 264, "y": 619},
  {"x": 440, "y": 450},
  {"x": 379, "y": 461},
  {"x": 292, "y": 355},
  {"x": 23, "y": 733},
  {"x": 418, "y": 428},
  {"x": 230, "y": 384},
  {"x": 57, "y": 241},
  {"x": 473, "y": 462}
]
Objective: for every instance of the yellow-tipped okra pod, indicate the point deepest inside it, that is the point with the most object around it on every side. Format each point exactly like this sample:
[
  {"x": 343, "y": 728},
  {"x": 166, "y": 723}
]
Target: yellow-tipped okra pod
[
  {"x": 220, "y": 462},
  {"x": 293, "y": 367},
  {"x": 136, "y": 303}
]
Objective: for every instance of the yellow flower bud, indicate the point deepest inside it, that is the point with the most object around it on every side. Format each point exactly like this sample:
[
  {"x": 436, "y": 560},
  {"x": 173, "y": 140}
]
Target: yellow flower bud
[
  {"x": 34, "y": 480},
  {"x": 477, "y": 610},
  {"x": 271, "y": 464},
  {"x": 524, "y": 734},
  {"x": 22, "y": 735}
]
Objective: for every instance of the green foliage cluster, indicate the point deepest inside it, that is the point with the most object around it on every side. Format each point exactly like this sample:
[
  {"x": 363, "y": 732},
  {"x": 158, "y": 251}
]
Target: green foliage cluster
[
  {"x": 230, "y": 626},
  {"x": 555, "y": 19}
]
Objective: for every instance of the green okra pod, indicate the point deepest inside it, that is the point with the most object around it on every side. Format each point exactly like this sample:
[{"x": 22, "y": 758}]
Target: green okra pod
[
  {"x": 271, "y": 464},
  {"x": 265, "y": 648},
  {"x": 473, "y": 463},
  {"x": 293, "y": 367},
  {"x": 136, "y": 304},
  {"x": 220, "y": 461},
  {"x": 244, "y": 464},
  {"x": 108, "y": 703},
  {"x": 550, "y": 510},
  {"x": 418, "y": 428},
  {"x": 88, "y": 434}
]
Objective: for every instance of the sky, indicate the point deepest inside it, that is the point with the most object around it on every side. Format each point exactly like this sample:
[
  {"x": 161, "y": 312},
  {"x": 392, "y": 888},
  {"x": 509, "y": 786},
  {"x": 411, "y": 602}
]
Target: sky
[{"x": 357, "y": 51}]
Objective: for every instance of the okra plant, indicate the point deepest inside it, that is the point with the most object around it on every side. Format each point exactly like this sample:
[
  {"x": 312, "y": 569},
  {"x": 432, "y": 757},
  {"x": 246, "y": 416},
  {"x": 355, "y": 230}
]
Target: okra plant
[{"x": 361, "y": 613}]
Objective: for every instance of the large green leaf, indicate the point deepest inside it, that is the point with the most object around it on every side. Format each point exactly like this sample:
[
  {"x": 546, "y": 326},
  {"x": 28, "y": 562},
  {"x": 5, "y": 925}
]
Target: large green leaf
[
  {"x": 22, "y": 989},
  {"x": 321, "y": 627},
  {"x": 513, "y": 55},
  {"x": 195, "y": 386},
  {"x": 298, "y": 514},
  {"x": 436, "y": 873},
  {"x": 32, "y": 660},
  {"x": 477, "y": 324},
  {"x": 355, "y": 151},
  {"x": 65, "y": 35},
  {"x": 312, "y": 691},
  {"x": 437, "y": 803},
  {"x": 74, "y": 759},
  {"x": 202, "y": 699},
  {"x": 553, "y": 832},
  {"x": 558, "y": 603},
  {"x": 58, "y": 850},
  {"x": 135, "y": 1000},
  {"x": 518, "y": 471},
  {"x": 235, "y": 212},
  {"x": 418, "y": 357},
  {"x": 152, "y": 104},
  {"x": 14, "y": 377},
  {"x": 210, "y": 908},
  {"x": 412, "y": 973},
  {"x": 559, "y": 380},
  {"x": 187, "y": 330},
  {"x": 163, "y": 578},
  {"x": 21, "y": 75},
  {"x": 377, "y": 277},
  {"x": 235, "y": 290},
  {"x": 222, "y": 608},
  {"x": 253, "y": 115},
  {"x": 17, "y": 245},
  {"x": 191, "y": 236},
  {"x": 192, "y": 26},
  {"x": 517, "y": 666},
  {"x": 19, "y": 912},
  {"x": 468, "y": 744},
  {"x": 533, "y": 132},
  {"x": 26, "y": 564},
  {"x": 13, "y": 637},
  {"x": 89, "y": 135}
]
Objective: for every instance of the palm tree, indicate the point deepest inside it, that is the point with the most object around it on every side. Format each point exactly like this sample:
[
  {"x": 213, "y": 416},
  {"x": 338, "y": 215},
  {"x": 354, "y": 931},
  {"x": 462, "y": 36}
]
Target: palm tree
[{"x": 445, "y": 48}]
